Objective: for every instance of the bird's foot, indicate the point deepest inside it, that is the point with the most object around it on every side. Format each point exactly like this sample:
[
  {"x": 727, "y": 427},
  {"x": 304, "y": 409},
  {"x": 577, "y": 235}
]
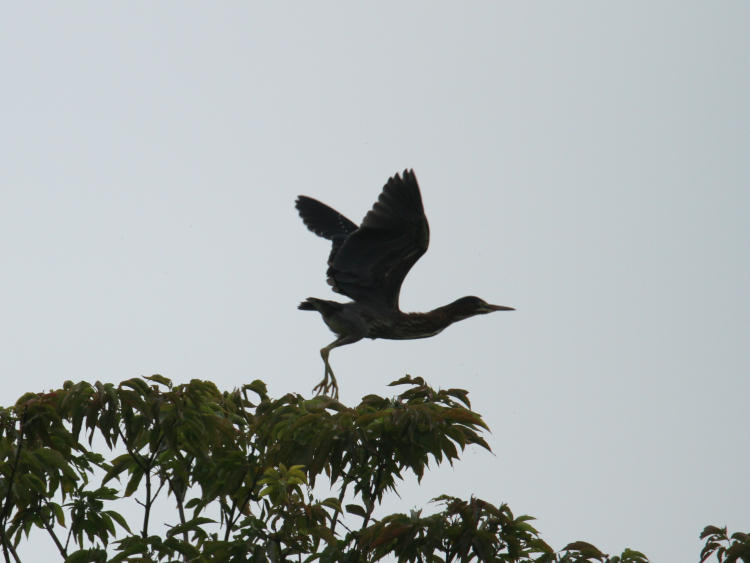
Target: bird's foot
[{"x": 328, "y": 385}]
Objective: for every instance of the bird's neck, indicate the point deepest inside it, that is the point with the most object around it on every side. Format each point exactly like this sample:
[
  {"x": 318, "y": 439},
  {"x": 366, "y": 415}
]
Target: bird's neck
[
  {"x": 430, "y": 323},
  {"x": 450, "y": 313}
]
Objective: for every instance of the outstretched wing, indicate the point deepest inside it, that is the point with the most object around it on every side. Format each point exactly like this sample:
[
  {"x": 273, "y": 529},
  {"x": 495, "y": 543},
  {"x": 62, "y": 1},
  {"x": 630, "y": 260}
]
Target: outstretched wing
[
  {"x": 325, "y": 222},
  {"x": 322, "y": 220},
  {"x": 371, "y": 263}
]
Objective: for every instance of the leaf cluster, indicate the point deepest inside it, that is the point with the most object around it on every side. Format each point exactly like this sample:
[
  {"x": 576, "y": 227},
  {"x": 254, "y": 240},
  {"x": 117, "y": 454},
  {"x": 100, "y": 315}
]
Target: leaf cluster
[
  {"x": 253, "y": 457},
  {"x": 724, "y": 547},
  {"x": 240, "y": 469}
]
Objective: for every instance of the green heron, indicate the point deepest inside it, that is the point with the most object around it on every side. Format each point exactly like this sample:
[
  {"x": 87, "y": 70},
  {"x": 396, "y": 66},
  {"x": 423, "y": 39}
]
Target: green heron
[{"x": 369, "y": 262}]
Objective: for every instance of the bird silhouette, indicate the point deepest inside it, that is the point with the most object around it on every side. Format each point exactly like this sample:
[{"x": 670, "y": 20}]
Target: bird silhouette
[{"x": 368, "y": 263}]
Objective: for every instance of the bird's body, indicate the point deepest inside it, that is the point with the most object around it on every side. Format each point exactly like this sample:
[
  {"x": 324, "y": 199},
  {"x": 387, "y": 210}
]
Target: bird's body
[
  {"x": 369, "y": 322},
  {"x": 369, "y": 262}
]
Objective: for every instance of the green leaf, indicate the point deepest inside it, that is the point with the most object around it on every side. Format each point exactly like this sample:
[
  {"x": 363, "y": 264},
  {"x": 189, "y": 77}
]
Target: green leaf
[
  {"x": 193, "y": 524},
  {"x": 119, "y": 464},
  {"x": 332, "y": 503},
  {"x": 87, "y": 556},
  {"x": 135, "y": 480},
  {"x": 713, "y": 530},
  {"x": 407, "y": 380},
  {"x": 189, "y": 551},
  {"x": 192, "y": 502},
  {"x": 258, "y": 387},
  {"x": 585, "y": 549},
  {"x": 59, "y": 514},
  {"x": 356, "y": 509},
  {"x": 117, "y": 517},
  {"x": 160, "y": 379},
  {"x": 460, "y": 394},
  {"x": 130, "y": 546}
]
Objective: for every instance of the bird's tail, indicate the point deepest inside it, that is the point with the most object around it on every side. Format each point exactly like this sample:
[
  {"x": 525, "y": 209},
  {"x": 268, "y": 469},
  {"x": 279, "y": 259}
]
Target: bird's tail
[
  {"x": 323, "y": 306},
  {"x": 307, "y": 305}
]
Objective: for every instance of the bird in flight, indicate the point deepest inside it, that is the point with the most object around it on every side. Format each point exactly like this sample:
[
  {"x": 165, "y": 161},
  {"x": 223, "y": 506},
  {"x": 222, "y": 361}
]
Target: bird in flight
[{"x": 368, "y": 263}]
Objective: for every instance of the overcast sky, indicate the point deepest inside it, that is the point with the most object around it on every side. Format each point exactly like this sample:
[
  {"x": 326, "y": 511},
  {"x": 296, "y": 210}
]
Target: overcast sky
[{"x": 587, "y": 163}]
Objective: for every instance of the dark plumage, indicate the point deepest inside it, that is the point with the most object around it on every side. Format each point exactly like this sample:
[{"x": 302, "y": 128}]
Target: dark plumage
[{"x": 369, "y": 262}]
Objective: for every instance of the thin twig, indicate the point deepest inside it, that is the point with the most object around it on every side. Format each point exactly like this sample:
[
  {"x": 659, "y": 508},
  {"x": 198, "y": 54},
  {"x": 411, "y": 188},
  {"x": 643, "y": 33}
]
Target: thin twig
[
  {"x": 230, "y": 520},
  {"x": 373, "y": 494},
  {"x": 246, "y": 499},
  {"x": 335, "y": 518},
  {"x": 51, "y": 532}
]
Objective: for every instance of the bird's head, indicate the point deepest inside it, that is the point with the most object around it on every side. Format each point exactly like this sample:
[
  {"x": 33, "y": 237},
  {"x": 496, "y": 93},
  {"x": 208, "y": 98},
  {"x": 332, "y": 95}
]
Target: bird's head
[{"x": 469, "y": 306}]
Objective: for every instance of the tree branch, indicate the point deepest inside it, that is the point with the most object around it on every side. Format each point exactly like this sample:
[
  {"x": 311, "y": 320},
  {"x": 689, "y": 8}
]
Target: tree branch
[
  {"x": 335, "y": 518},
  {"x": 55, "y": 539}
]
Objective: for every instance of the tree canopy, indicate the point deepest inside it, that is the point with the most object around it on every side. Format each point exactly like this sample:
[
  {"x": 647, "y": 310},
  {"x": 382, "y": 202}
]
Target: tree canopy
[{"x": 240, "y": 468}]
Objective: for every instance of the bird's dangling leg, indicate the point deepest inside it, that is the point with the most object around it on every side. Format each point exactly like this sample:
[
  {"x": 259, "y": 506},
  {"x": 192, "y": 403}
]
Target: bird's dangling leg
[{"x": 329, "y": 383}]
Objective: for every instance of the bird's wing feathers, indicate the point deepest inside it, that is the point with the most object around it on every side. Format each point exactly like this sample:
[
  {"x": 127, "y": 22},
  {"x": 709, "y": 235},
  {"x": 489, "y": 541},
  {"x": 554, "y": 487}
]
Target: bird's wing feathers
[
  {"x": 372, "y": 262},
  {"x": 322, "y": 220}
]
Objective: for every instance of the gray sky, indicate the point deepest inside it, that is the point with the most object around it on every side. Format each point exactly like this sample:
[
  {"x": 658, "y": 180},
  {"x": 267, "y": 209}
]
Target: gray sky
[{"x": 586, "y": 163}]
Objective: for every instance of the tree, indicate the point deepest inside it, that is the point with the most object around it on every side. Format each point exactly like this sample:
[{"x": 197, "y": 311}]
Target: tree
[{"x": 240, "y": 468}]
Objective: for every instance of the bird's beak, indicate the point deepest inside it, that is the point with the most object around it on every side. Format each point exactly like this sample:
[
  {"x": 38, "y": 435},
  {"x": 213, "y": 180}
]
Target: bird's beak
[{"x": 491, "y": 308}]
